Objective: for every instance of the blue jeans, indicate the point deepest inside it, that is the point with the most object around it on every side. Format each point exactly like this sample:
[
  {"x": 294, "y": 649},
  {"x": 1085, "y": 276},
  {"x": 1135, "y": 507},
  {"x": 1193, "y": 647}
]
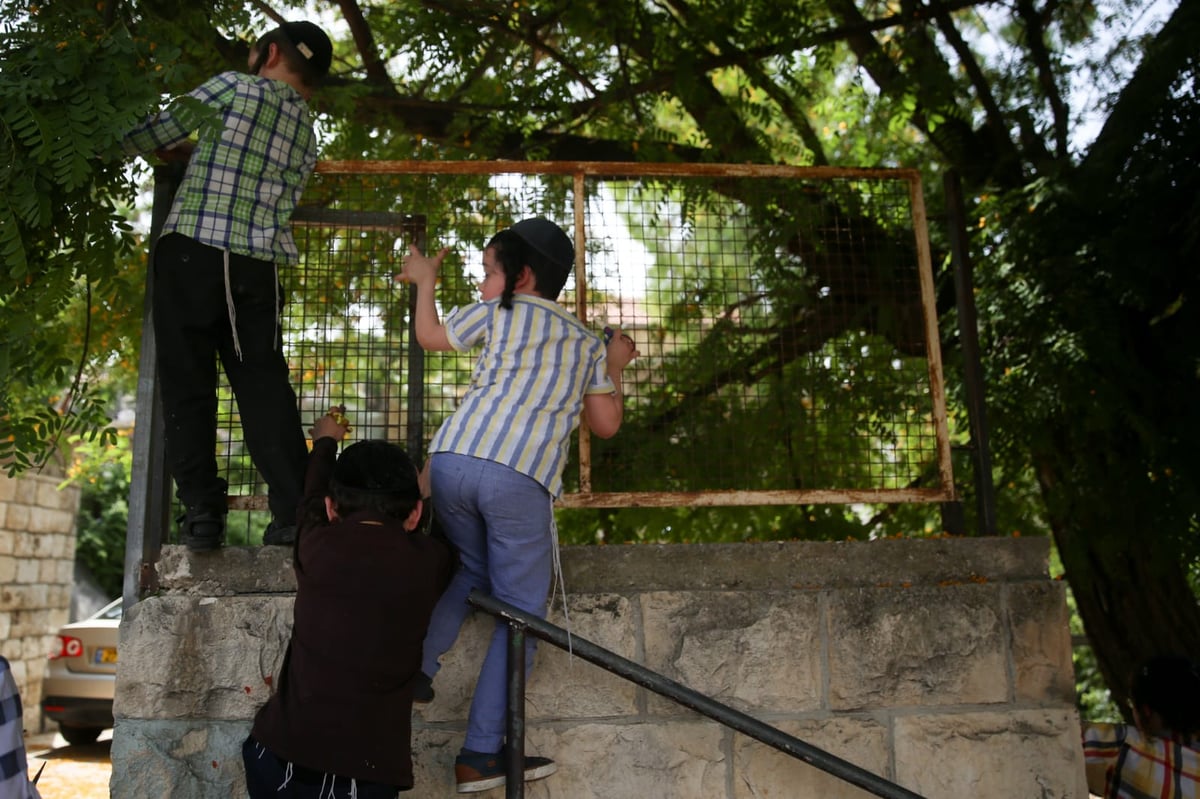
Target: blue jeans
[{"x": 500, "y": 521}]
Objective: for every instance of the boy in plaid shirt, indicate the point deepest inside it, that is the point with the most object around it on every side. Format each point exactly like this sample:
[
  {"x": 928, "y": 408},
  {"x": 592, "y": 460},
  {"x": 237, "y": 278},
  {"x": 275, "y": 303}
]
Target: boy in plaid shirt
[
  {"x": 215, "y": 285},
  {"x": 1160, "y": 756}
]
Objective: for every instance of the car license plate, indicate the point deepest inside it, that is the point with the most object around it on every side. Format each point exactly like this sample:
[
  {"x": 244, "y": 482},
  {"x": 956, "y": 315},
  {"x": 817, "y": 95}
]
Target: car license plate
[{"x": 106, "y": 654}]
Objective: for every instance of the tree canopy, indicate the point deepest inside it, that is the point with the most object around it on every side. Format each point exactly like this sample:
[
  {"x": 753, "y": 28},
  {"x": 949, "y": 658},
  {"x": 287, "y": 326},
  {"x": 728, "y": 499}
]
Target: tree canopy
[{"x": 1085, "y": 247}]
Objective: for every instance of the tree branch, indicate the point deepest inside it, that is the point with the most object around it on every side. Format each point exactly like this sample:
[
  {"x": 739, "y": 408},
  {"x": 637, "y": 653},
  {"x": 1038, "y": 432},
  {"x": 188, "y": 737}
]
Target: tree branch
[
  {"x": 1165, "y": 60},
  {"x": 364, "y": 42},
  {"x": 1036, "y": 43}
]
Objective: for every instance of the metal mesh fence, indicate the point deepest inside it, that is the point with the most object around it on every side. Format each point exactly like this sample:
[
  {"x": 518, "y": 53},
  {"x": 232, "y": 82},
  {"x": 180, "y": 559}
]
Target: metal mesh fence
[{"x": 783, "y": 317}]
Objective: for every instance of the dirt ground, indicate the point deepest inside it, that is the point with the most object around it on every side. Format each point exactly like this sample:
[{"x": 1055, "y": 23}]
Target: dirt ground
[{"x": 70, "y": 772}]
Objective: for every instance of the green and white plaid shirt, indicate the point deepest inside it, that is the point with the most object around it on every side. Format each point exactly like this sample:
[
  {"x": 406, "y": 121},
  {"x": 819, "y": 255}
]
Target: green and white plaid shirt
[{"x": 256, "y": 151}]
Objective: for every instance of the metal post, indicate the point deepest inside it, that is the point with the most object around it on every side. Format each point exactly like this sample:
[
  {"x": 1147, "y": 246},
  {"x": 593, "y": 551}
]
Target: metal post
[
  {"x": 415, "y": 406},
  {"x": 514, "y": 746},
  {"x": 150, "y": 481},
  {"x": 968, "y": 331}
]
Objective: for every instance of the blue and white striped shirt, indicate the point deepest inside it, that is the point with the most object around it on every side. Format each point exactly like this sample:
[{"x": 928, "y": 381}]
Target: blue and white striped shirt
[{"x": 526, "y": 393}]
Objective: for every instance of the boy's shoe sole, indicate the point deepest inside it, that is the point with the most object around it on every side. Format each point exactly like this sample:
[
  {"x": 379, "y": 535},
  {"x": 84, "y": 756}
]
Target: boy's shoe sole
[{"x": 473, "y": 776}]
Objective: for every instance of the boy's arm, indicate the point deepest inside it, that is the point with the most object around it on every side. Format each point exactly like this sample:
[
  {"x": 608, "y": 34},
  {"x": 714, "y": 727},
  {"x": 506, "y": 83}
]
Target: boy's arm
[
  {"x": 326, "y": 432},
  {"x": 181, "y": 116},
  {"x": 421, "y": 271},
  {"x": 605, "y": 412}
]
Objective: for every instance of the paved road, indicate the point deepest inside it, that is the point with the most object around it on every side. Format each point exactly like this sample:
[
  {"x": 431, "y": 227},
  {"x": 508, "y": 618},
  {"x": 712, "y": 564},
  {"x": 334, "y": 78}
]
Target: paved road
[{"x": 71, "y": 772}]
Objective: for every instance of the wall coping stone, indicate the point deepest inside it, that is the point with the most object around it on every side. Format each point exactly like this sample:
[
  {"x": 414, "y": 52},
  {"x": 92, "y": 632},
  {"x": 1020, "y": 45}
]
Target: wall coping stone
[{"x": 671, "y": 567}]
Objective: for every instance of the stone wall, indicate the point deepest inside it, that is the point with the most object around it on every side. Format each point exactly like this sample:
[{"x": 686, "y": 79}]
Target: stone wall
[
  {"x": 37, "y": 563},
  {"x": 942, "y": 664}
]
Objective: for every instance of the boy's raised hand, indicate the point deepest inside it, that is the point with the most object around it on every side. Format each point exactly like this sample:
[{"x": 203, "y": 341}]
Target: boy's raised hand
[
  {"x": 419, "y": 269},
  {"x": 333, "y": 425},
  {"x": 621, "y": 350}
]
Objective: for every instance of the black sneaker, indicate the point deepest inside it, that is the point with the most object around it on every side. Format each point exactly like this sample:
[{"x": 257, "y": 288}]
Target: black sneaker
[
  {"x": 422, "y": 689},
  {"x": 479, "y": 771},
  {"x": 279, "y": 535},
  {"x": 202, "y": 530}
]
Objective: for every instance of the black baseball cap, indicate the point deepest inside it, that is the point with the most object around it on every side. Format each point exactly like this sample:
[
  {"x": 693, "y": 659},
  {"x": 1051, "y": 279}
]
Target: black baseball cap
[
  {"x": 548, "y": 239},
  {"x": 312, "y": 44}
]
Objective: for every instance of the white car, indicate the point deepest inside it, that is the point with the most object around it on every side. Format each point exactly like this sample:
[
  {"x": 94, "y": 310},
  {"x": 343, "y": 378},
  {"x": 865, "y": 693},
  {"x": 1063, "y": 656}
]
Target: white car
[{"x": 81, "y": 675}]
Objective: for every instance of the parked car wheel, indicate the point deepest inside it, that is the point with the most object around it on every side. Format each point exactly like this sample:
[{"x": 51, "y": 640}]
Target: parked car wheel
[{"x": 79, "y": 735}]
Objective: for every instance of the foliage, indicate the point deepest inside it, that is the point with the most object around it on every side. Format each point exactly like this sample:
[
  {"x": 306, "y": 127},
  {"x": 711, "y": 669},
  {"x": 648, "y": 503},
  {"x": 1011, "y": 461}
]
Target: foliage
[
  {"x": 102, "y": 473},
  {"x": 1090, "y": 317},
  {"x": 69, "y": 85}
]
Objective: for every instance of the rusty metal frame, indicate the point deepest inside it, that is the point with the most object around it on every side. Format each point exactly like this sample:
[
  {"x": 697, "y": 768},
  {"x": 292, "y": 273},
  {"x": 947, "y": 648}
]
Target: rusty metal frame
[{"x": 579, "y": 170}]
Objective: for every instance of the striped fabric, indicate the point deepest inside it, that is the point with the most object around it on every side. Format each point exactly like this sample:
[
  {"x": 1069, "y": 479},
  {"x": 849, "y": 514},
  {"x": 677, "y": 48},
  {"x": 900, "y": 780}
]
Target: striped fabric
[
  {"x": 14, "y": 775},
  {"x": 245, "y": 178},
  {"x": 526, "y": 393},
  {"x": 1123, "y": 763}
]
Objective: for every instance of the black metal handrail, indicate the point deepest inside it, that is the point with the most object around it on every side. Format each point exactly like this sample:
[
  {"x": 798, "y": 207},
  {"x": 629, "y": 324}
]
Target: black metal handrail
[{"x": 519, "y": 623}]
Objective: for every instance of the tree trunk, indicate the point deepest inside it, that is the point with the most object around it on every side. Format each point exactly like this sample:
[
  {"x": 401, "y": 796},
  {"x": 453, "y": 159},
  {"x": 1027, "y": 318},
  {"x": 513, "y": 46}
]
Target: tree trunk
[{"x": 1131, "y": 590}]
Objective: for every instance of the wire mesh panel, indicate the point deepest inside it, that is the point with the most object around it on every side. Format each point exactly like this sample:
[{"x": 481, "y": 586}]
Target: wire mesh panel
[{"x": 784, "y": 318}]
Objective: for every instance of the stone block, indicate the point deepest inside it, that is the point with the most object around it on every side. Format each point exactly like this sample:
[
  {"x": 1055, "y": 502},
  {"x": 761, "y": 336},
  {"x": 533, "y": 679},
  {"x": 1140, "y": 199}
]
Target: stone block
[
  {"x": 433, "y": 751},
  {"x": 35, "y": 648},
  {"x": 683, "y": 760},
  {"x": 185, "y": 656},
  {"x": 898, "y": 647},
  {"x": 16, "y": 663},
  {"x": 560, "y": 684},
  {"x": 25, "y": 544},
  {"x": 744, "y": 649},
  {"x": 49, "y": 495},
  {"x": 802, "y": 564},
  {"x": 25, "y": 492},
  {"x": 64, "y": 546},
  {"x": 1043, "y": 670},
  {"x": 454, "y": 683},
  {"x": 28, "y": 571},
  {"x": 19, "y": 597},
  {"x": 65, "y": 576},
  {"x": 17, "y": 518},
  {"x": 8, "y": 488},
  {"x": 28, "y": 622},
  {"x": 48, "y": 571},
  {"x": 226, "y": 572},
  {"x": 185, "y": 759},
  {"x": 991, "y": 755},
  {"x": 8, "y": 569},
  {"x": 50, "y": 520},
  {"x": 566, "y": 686},
  {"x": 761, "y": 770},
  {"x": 31, "y": 699},
  {"x": 6, "y": 542}
]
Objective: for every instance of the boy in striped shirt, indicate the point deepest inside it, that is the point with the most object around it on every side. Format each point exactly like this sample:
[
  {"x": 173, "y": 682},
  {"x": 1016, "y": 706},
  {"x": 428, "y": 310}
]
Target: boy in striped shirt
[{"x": 497, "y": 462}]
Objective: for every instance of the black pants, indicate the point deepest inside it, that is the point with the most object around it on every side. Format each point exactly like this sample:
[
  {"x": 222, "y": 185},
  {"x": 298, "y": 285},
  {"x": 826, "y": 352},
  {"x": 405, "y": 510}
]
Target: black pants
[
  {"x": 192, "y": 329},
  {"x": 268, "y": 777}
]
